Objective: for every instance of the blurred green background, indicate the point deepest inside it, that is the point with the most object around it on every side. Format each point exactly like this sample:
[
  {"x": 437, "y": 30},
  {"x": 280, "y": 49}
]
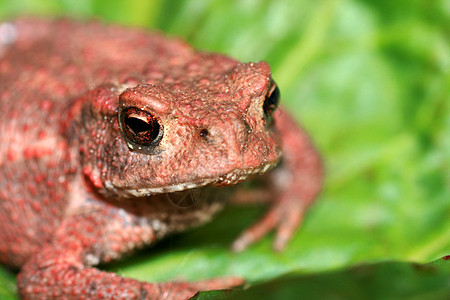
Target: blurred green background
[{"x": 370, "y": 81}]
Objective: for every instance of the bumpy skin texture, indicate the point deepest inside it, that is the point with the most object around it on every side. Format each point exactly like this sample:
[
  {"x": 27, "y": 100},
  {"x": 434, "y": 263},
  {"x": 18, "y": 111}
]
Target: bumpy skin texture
[{"x": 112, "y": 138}]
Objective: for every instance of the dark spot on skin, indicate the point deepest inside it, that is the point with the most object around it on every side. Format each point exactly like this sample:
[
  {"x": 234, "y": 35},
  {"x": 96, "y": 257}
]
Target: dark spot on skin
[
  {"x": 93, "y": 286},
  {"x": 73, "y": 269},
  {"x": 248, "y": 129},
  {"x": 144, "y": 294}
]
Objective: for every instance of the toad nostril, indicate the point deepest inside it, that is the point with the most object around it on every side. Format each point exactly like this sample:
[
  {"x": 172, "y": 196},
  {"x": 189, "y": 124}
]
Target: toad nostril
[{"x": 204, "y": 133}]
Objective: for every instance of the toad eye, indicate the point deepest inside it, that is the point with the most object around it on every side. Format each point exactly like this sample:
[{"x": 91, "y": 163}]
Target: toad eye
[
  {"x": 271, "y": 102},
  {"x": 140, "y": 127}
]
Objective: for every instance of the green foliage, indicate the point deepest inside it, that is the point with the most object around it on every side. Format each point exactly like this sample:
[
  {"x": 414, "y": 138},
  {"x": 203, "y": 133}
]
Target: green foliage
[
  {"x": 370, "y": 81},
  {"x": 388, "y": 280},
  {"x": 7, "y": 285}
]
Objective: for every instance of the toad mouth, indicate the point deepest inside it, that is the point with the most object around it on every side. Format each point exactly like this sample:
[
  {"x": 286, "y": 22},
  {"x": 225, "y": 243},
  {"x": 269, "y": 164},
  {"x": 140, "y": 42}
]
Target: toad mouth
[{"x": 227, "y": 179}]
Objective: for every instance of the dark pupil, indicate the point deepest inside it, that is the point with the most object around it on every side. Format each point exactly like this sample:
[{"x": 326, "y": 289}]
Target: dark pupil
[
  {"x": 271, "y": 102},
  {"x": 141, "y": 127},
  {"x": 137, "y": 125}
]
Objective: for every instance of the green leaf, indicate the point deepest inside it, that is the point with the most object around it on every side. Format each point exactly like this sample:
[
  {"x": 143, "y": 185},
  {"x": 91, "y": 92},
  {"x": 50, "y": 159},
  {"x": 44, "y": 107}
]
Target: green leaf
[
  {"x": 7, "y": 285},
  {"x": 387, "y": 280}
]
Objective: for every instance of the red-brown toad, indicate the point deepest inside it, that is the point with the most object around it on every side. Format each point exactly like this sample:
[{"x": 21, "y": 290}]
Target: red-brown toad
[{"x": 112, "y": 138}]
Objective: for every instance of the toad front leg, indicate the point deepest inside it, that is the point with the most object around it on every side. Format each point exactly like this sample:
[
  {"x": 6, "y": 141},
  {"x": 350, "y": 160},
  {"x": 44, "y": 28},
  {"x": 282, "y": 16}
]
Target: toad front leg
[
  {"x": 296, "y": 184},
  {"x": 63, "y": 269}
]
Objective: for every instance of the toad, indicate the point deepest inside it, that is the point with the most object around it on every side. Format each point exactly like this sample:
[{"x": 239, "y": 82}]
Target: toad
[{"x": 113, "y": 138}]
